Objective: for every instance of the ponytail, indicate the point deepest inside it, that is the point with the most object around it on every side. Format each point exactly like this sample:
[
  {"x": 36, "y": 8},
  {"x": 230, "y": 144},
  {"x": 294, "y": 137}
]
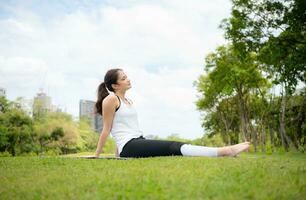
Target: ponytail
[
  {"x": 102, "y": 93},
  {"x": 110, "y": 78}
]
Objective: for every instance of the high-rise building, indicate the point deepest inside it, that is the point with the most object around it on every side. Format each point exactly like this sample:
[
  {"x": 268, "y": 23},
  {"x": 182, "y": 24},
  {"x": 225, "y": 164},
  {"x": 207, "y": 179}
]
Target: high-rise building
[
  {"x": 2, "y": 92},
  {"x": 98, "y": 123},
  {"x": 42, "y": 104},
  {"x": 86, "y": 108}
]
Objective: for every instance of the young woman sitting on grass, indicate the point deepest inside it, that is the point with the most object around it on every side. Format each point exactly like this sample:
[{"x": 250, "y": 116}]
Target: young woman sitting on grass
[{"x": 120, "y": 119}]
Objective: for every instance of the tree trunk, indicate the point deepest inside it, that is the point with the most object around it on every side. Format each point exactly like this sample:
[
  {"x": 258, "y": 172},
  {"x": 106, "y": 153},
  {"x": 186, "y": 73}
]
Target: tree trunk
[
  {"x": 271, "y": 137},
  {"x": 254, "y": 140},
  {"x": 242, "y": 115},
  {"x": 226, "y": 128},
  {"x": 282, "y": 126},
  {"x": 282, "y": 122},
  {"x": 263, "y": 138}
]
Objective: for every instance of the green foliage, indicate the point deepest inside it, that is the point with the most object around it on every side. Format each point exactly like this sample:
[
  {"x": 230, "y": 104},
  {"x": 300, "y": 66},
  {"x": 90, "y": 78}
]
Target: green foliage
[
  {"x": 230, "y": 78},
  {"x": 56, "y": 130},
  {"x": 53, "y": 133},
  {"x": 214, "y": 140},
  {"x": 87, "y": 139},
  {"x": 16, "y": 132},
  {"x": 4, "y": 104},
  {"x": 267, "y": 48},
  {"x": 276, "y": 31},
  {"x": 175, "y": 137},
  {"x": 227, "y": 75},
  {"x": 5, "y": 154},
  {"x": 52, "y": 152},
  {"x": 109, "y": 147},
  {"x": 57, "y": 133}
]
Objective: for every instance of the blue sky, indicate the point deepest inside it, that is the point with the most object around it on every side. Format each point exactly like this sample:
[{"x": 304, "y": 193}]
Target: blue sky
[{"x": 66, "y": 47}]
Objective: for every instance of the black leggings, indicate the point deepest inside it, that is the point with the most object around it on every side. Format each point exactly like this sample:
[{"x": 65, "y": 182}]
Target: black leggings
[{"x": 142, "y": 147}]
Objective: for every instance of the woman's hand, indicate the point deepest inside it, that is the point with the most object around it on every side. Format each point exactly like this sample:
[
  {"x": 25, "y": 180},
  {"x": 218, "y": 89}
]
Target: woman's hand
[{"x": 97, "y": 155}]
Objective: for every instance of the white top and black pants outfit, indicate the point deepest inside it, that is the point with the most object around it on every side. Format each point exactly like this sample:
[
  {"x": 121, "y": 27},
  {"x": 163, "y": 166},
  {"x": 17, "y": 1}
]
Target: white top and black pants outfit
[{"x": 130, "y": 141}]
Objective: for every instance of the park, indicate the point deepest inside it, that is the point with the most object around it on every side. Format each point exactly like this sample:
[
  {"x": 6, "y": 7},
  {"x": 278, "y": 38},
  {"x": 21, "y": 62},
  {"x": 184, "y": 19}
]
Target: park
[{"x": 249, "y": 86}]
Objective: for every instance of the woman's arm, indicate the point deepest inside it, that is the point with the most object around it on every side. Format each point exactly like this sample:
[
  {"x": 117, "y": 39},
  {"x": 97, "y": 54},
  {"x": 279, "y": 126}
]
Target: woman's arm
[
  {"x": 108, "y": 112},
  {"x": 102, "y": 140}
]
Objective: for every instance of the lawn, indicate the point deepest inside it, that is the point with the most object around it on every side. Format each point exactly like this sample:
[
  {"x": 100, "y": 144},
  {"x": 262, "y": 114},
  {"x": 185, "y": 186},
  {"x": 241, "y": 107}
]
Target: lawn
[{"x": 249, "y": 176}]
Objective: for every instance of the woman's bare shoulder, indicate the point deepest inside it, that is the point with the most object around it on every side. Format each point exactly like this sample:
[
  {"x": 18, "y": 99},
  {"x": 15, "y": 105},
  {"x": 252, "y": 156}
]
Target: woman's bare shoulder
[{"x": 111, "y": 99}]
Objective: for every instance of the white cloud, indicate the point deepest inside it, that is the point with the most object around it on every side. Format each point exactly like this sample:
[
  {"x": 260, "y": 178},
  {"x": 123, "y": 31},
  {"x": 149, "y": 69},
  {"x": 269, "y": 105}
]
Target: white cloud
[
  {"x": 18, "y": 73},
  {"x": 161, "y": 46}
]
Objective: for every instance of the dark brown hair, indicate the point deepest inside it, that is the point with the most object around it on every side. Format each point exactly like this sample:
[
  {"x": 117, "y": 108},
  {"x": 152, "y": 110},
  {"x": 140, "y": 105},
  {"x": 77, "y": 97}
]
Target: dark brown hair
[{"x": 111, "y": 77}]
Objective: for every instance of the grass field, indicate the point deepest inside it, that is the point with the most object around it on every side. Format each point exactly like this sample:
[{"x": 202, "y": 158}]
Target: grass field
[{"x": 249, "y": 176}]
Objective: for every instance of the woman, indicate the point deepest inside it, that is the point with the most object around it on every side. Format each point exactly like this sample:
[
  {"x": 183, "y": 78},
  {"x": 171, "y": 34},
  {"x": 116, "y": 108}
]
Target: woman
[{"x": 120, "y": 119}]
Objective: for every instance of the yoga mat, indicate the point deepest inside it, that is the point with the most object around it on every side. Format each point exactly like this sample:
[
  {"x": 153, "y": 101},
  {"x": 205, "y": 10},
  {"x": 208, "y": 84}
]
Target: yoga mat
[{"x": 104, "y": 157}]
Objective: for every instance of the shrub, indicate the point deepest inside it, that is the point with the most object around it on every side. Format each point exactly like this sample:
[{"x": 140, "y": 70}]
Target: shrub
[{"x": 5, "y": 154}]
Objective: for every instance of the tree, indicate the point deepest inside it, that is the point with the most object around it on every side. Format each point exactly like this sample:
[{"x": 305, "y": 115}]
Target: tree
[
  {"x": 229, "y": 74},
  {"x": 17, "y": 135},
  {"x": 45, "y": 139},
  {"x": 57, "y": 131},
  {"x": 275, "y": 30},
  {"x": 4, "y": 104}
]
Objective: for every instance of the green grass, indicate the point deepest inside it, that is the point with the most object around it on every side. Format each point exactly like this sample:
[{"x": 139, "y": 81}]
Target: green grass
[{"x": 249, "y": 176}]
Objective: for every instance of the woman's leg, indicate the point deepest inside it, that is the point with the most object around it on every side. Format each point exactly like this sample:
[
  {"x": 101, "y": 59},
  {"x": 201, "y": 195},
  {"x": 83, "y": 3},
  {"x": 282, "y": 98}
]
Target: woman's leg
[
  {"x": 195, "y": 150},
  {"x": 141, "y": 147}
]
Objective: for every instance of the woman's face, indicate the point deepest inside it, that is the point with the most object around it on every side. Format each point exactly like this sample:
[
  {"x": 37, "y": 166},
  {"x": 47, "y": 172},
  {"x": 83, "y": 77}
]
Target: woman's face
[{"x": 123, "y": 81}]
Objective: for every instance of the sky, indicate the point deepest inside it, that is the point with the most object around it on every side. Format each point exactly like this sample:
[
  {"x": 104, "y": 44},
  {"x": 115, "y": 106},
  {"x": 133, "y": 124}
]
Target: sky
[{"x": 66, "y": 47}]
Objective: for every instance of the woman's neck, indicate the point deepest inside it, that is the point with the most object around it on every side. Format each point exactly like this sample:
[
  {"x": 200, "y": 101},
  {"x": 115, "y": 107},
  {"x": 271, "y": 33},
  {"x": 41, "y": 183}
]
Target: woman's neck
[{"x": 120, "y": 94}]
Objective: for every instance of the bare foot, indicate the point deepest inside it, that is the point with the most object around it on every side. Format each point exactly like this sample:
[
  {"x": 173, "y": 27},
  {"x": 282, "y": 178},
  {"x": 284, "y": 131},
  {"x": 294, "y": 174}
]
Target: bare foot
[
  {"x": 238, "y": 148},
  {"x": 233, "y": 150}
]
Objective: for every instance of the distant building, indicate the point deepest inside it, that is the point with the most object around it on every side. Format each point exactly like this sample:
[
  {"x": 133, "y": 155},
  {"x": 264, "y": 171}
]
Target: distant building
[
  {"x": 27, "y": 106},
  {"x": 2, "y": 92},
  {"x": 55, "y": 108},
  {"x": 98, "y": 123},
  {"x": 42, "y": 104},
  {"x": 86, "y": 109}
]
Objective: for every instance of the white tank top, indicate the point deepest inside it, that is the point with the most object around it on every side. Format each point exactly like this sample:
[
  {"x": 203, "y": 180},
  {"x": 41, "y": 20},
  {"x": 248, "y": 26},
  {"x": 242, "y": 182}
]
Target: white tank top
[{"x": 125, "y": 125}]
